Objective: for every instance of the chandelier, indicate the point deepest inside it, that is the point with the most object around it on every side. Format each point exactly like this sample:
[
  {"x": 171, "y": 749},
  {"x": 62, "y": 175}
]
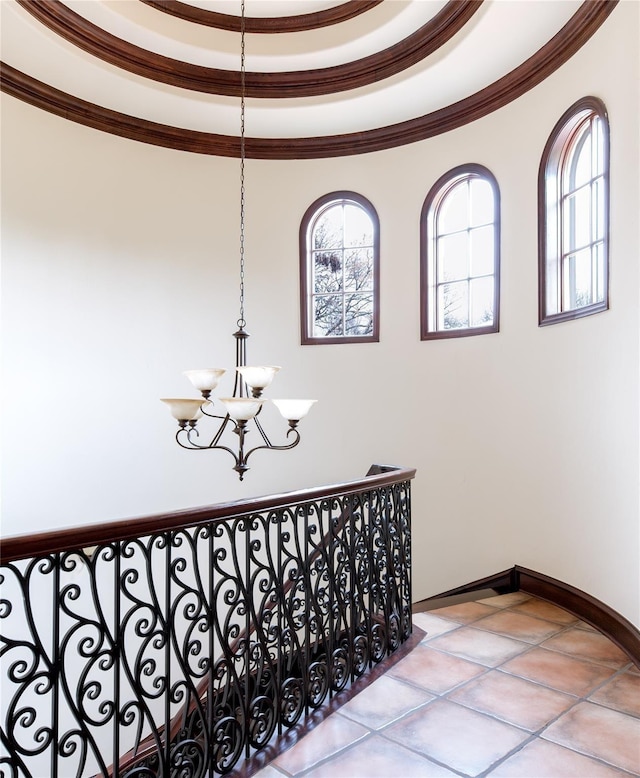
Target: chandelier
[{"x": 240, "y": 412}]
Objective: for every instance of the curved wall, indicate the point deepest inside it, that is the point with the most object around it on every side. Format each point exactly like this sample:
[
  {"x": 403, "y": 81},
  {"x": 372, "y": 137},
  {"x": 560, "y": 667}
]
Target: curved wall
[{"x": 119, "y": 265}]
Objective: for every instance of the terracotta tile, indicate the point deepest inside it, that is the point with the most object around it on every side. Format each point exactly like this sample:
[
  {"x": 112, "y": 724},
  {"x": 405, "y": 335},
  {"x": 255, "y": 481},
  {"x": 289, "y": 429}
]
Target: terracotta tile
[
  {"x": 465, "y": 612},
  {"x": 434, "y": 671},
  {"x": 588, "y": 645},
  {"x": 519, "y": 626},
  {"x": 383, "y": 702},
  {"x": 545, "y": 610},
  {"x": 377, "y": 757},
  {"x": 584, "y": 625},
  {"x": 574, "y": 676},
  {"x": 479, "y": 646},
  {"x": 505, "y": 600},
  {"x": 513, "y": 699},
  {"x": 462, "y": 739},
  {"x": 548, "y": 760},
  {"x": 433, "y": 625},
  {"x": 599, "y": 732},
  {"x": 622, "y": 693},
  {"x": 330, "y": 736}
]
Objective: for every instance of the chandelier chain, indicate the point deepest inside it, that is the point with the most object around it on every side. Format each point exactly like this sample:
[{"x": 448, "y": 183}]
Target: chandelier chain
[{"x": 241, "y": 321}]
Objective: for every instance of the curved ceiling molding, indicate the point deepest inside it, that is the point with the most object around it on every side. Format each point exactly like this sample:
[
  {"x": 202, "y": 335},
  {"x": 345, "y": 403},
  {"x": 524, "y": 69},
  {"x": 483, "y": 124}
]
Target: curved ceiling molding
[
  {"x": 573, "y": 35},
  {"x": 306, "y": 83},
  {"x": 271, "y": 24}
]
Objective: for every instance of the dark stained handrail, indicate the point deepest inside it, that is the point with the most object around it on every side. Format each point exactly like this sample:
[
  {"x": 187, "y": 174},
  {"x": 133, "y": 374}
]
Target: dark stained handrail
[{"x": 36, "y": 544}]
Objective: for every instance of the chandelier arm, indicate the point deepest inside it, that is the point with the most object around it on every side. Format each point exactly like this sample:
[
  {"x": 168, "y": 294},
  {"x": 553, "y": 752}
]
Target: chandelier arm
[
  {"x": 193, "y": 446},
  {"x": 271, "y": 447},
  {"x": 211, "y": 415},
  {"x": 218, "y": 435},
  {"x": 263, "y": 434}
]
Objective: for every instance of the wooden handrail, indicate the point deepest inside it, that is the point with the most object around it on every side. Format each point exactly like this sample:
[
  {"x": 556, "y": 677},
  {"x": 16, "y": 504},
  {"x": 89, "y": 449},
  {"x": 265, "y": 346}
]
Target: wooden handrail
[{"x": 72, "y": 538}]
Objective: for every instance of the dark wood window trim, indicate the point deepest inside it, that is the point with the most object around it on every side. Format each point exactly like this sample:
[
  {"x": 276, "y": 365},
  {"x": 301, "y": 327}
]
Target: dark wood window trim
[
  {"x": 306, "y": 329},
  {"x": 436, "y": 195},
  {"x": 553, "y": 157}
]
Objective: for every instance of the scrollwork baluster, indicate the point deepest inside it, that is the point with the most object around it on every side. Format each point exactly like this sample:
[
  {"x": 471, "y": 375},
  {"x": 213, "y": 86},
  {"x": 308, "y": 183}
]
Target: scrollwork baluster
[{"x": 189, "y": 647}]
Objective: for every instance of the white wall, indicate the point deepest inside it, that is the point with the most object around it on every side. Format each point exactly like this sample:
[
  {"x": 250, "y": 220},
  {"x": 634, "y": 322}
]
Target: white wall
[{"x": 119, "y": 265}]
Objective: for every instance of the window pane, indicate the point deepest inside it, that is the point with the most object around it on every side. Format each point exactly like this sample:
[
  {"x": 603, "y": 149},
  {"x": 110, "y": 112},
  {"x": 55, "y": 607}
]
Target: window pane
[
  {"x": 327, "y": 231},
  {"x": 358, "y": 270},
  {"x": 482, "y": 257},
  {"x": 598, "y": 217},
  {"x": 453, "y": 305},
  {"x": 577, "y": 280},
  {"x": 453, "y": 262},
  {"x": 358, "y": 314},
  {"x": 580, "y": 164},
  {"x": 453, "y": 214},
  {"x": 598, "y": 255},
  {"x": 327, "y": 276},
  {"x": 358, "y": 229},
  {"x": 327, "y": 316},
  {"x": 482, "y": 206},
  {"x": 598, "y": 146},
  {"x": 481, "y": 302},
  {"x": 577, "y": 220},
  {"x": 584, "y": 279}
]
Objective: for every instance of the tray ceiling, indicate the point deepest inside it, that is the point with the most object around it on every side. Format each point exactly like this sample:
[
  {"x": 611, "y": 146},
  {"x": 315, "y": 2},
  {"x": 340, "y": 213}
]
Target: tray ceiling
[{"x": 323, "y": 78}]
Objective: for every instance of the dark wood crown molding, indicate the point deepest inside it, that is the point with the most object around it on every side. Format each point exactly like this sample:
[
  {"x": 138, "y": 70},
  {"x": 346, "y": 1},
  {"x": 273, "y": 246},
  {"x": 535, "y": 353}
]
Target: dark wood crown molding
[
  {"x": 582, "y": 25},
  {"x": 286, "y": 84},
  {"x": 272, "y": 24}
]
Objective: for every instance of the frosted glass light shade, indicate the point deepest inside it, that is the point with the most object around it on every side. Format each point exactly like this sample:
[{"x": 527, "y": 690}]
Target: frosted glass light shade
[
  {"x": 206, "y": 379},
  {"x": 258, "y": 377},
  {"x": 242, "y": 408},
  {"x": 185, "y": 410},
  {"x": 294, "y": 410}
]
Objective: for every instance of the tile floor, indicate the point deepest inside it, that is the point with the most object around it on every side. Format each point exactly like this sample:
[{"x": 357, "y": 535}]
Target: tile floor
[{"x": 508, "y": 687}]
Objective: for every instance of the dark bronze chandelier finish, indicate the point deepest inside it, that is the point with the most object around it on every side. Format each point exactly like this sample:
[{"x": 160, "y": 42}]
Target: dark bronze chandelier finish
[{"x": 187, "y": 431}]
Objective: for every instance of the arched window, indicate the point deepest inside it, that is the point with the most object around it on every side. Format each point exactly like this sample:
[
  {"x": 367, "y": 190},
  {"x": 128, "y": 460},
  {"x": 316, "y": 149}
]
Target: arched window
[
  {"x": 339, "y": 270},
  {"x": 573, "y": 215},
  {"x": 460, "y": 255}
]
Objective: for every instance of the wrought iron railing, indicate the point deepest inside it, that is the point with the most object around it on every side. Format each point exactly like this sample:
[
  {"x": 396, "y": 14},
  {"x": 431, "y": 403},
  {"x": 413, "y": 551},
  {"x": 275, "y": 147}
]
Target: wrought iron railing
[{"x": 177, "y": 645}]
